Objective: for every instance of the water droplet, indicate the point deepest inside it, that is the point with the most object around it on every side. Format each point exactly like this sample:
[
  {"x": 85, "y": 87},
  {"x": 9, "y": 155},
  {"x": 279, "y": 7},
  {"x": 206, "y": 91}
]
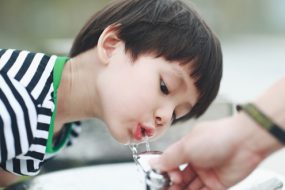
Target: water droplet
[{"x": 147, "y": 146}]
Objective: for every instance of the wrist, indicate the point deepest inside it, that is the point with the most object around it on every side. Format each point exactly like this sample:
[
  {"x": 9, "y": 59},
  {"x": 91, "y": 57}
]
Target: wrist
[{"x": 254, "y": 138}]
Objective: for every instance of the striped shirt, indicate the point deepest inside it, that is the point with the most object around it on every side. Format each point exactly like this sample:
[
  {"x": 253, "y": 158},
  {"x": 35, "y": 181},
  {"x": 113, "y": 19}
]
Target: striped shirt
[{"x": 28, "y": 86}]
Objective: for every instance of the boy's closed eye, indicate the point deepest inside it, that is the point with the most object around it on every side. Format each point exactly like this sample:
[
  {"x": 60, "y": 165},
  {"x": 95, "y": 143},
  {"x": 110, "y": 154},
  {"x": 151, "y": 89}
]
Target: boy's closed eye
[
  {"x": 165, "y": 91},
  {"x": 173, "y": 116},
  {"x": 163, "y": 87}
]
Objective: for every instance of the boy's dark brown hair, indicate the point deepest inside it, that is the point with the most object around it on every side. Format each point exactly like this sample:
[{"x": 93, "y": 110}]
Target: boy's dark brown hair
[{"x": 166, "y": 28}]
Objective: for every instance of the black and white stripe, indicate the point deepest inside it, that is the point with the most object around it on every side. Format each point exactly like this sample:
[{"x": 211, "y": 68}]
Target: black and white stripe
[
  {"x": 26, "y": 106},
  {"x": 18, "y": 112}
]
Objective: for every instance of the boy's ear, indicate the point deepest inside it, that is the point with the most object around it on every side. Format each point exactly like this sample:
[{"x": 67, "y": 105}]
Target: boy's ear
[{"x": 107, "y": 42}]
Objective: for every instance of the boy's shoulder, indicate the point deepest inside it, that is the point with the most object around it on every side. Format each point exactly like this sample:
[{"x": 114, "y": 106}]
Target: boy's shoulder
[
  {"x": 25, "y": 106},
  {"x": 13, "y": 58},
  {"x": 33, "y": 70},
  {"x": 15, "y": 54}
]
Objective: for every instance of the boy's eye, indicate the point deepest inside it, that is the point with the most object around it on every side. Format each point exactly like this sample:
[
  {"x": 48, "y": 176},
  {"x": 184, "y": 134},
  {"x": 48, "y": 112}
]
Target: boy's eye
[
  {"x": 173, "y": 116},
  {"x": 163, "y": 87}
]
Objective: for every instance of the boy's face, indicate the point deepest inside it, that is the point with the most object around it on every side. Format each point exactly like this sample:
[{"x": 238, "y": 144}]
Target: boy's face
[{"x": 140, "y": 98}]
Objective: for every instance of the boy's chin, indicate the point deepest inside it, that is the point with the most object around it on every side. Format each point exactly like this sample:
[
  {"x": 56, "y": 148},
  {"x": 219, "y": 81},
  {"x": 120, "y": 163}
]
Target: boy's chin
[
  {"x": 123, "y": 141},
  {"x": 128, "y": 142}
]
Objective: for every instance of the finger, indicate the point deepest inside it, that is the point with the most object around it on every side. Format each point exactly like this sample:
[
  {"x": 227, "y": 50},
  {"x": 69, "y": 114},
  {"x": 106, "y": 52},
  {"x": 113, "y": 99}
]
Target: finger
[
  {"x": 196, "y": 184},
  {"x": 183, "y": 177},
  {"x": 205, "y": 188},
  {"x": 171, "y": 158},
  {"x": 188, "y": 174},
  {"x": 211, "y": 179},
  {"x": 176, "y": 176},
  {"x": 176, "y": 187}
]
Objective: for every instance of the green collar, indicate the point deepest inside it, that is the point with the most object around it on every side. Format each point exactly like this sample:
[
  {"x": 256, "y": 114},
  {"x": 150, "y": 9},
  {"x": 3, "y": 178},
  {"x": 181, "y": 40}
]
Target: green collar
[{"x": 57, "y": 72}]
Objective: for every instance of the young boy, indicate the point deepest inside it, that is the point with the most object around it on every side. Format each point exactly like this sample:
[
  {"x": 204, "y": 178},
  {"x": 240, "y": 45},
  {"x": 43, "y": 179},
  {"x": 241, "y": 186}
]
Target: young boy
[{"x": 137, "y": 65}]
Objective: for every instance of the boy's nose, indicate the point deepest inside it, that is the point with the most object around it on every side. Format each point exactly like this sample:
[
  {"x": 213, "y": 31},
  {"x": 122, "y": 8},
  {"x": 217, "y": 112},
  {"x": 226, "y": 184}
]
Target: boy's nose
[{"x": 163, "y": 116}]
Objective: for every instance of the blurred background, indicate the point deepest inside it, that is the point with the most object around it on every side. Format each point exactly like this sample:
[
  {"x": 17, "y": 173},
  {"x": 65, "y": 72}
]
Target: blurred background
[{"x": 252, "y": 34}]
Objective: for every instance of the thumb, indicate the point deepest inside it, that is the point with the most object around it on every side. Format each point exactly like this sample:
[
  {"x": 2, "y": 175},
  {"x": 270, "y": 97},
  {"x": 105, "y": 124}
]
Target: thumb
[{"x": 171, "y": 158}]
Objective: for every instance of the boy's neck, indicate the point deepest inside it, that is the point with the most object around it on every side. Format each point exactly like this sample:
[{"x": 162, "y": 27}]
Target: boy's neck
[{"x": 76, "y": 95}]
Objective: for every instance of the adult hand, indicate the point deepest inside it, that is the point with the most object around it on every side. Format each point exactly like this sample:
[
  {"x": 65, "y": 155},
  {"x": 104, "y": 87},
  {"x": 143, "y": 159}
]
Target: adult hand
[{"x": 218, "y": 154}]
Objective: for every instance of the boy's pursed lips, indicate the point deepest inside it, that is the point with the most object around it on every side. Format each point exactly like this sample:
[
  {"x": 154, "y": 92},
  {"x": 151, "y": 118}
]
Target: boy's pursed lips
[{"x": 141, "y": 131}]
